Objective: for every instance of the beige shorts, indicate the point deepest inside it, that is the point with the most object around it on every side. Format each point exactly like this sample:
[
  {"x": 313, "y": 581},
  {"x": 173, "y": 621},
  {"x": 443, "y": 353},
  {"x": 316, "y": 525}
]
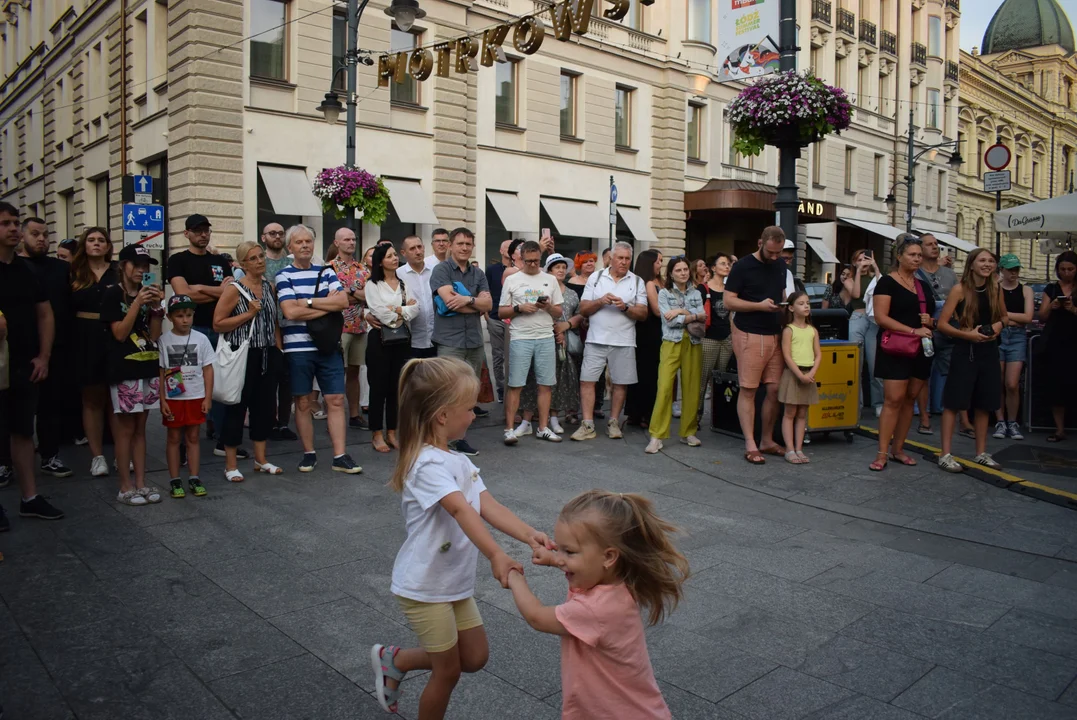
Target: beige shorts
[
  {"x": 437, "y": 625},
  {"x": 354, "y": 348}
]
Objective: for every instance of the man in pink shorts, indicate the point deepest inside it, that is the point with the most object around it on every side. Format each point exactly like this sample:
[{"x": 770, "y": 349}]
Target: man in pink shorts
[{"x": 754, "y": 292}]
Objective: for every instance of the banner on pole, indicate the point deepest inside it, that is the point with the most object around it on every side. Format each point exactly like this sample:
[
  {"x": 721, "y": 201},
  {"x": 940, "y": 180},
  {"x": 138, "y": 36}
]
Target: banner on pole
[{"x": 746, "y": 38}]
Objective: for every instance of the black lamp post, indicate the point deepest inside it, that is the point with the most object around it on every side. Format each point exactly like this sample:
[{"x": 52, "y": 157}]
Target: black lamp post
[{"x": 914, "y": 156}]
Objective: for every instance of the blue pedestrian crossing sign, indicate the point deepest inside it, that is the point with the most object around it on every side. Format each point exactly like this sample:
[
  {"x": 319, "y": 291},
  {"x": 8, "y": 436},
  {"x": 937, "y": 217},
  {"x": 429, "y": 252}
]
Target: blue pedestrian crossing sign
[
  {"x": 145, "y": 218},
  {"x": 143, "y": 183}
]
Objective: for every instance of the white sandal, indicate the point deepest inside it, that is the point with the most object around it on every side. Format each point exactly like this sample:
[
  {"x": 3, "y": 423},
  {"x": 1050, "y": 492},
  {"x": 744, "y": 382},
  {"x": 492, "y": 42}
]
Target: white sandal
[
  {"x": 131, "y": 497},
  {"x": 233, "y": 476},
  {"x": 152, "y": 494},
  {"x": 268, "y": 468}
]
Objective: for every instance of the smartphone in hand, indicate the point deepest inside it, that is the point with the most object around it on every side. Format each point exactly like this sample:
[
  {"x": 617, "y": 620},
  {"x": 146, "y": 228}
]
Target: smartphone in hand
[
  {"x": 543, "y": 299},
  {"x": 149, "y": 279}
]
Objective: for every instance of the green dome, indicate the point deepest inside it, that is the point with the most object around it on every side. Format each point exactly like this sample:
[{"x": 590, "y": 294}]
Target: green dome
[{"x": 1028, "y": 23}]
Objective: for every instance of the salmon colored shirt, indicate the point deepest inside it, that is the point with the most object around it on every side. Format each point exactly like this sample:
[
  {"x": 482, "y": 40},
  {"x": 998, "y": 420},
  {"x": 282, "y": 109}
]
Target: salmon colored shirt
[{"x": 605, "y": 669}]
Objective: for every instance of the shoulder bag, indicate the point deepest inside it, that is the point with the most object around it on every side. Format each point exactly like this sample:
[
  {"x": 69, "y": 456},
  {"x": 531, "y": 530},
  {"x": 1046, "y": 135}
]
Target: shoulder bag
[
  {"x": 903, "y": 344},
  {"x": 230, "y": 366},
  {"x": 400, "y": 334},
  {"x": 326, "y": 330}
]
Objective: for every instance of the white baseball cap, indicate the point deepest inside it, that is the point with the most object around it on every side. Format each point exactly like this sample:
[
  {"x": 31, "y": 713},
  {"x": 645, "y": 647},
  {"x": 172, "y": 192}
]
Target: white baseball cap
[{"x": 789, "y": 245}]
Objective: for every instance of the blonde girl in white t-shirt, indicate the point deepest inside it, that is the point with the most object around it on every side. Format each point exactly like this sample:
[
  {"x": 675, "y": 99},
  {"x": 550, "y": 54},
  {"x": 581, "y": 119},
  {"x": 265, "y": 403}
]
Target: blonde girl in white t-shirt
[{"x": 444, "y": 503}]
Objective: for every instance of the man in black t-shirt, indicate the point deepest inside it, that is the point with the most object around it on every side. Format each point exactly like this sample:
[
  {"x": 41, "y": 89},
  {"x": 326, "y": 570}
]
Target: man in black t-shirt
[
  {"x": 57, "y": 389},
  {"x": 202, "y": 275},
  {"x": 754, "y": 291},
  {"x": 26, "y": 323}
]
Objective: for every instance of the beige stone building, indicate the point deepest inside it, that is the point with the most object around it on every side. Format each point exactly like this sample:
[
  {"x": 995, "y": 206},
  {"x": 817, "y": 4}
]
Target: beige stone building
[
  {"x": 1019, "y": 88},
  {"x": 220, "y": 98}
]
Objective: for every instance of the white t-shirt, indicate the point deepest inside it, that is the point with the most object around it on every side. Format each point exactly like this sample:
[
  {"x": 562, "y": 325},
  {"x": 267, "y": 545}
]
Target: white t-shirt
[
  {"x": 191, "y": 353},
  {"x": 520, "y": 288},
  {"x": 611, "y": 326},
  {"x": 437, "y": 561}
]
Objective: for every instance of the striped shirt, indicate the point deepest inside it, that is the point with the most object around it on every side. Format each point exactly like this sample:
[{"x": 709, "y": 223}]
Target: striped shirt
[
  {"x": 262, "y": 329},
  {"x": 296, "y": 284}
]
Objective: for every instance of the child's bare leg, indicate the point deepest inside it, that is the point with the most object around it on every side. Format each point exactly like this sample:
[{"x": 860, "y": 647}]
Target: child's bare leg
[
  {"x": 801, "y": 426},
  {"x": 191, "y": 431},
  {"x": 788, "y": 417},
  {"x": 175, "y": 435},
  {"x": 470, "y": 655}
]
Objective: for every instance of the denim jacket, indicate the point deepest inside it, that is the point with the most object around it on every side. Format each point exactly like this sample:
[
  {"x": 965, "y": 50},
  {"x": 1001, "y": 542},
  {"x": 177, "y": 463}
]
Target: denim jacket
[{"x": 672, "y": 299}]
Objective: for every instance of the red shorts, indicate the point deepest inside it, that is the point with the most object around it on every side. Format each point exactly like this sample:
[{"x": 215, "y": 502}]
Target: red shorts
[{"x": 185, "y": 413}]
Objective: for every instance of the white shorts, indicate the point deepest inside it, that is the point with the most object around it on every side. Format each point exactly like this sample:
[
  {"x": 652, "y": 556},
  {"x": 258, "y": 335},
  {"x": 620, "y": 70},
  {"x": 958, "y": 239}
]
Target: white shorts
[
  {"x": 621, "y": 360},
  {"x": 131, "y": 397}
]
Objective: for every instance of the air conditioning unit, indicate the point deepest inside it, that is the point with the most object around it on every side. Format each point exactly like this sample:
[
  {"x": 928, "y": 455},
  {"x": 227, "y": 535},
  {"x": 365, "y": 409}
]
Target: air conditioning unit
[{"x": 1055, "y": 246}]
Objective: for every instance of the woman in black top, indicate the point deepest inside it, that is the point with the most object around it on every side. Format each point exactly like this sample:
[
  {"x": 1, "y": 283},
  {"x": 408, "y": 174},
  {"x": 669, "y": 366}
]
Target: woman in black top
[
  {"x": 92, "y": 270},
  {"x": 974, "y": 382},
  {"x": 1058, "y": 312},
  {"x": 1013, "y": 345},
  {"x": 717, "y": 343},
  {"x": 839, "y": 294},
  {"x": 639, "y": 403},
  {"x": 899, "y": 309}
]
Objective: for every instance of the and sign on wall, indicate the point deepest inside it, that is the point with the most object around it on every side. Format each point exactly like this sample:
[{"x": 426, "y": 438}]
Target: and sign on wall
[{"x": 747, "y": 32}]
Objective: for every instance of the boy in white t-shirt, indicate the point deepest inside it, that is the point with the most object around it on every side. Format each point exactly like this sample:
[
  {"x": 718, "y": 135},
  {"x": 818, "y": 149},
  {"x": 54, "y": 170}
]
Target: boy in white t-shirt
[{"x": 186, "y": 390}]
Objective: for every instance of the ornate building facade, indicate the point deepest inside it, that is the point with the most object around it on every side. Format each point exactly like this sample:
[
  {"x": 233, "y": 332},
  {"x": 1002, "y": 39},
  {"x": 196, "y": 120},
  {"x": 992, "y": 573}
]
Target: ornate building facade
[{"x": 1019, "y": 89}]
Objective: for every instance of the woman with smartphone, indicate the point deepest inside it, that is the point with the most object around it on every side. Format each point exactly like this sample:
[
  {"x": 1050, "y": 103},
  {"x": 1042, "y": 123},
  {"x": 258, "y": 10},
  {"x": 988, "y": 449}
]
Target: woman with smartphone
[
  {"x": 1058, "y": 312},
  {"x": 862, "y": 328},
  {"x": 974, "y": 382}
]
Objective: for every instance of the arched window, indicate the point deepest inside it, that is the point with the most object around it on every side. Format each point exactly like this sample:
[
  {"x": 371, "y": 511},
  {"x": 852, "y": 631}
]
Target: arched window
[
  {"x": 959, "y": 225},
  {"x": 980, "y": 232}
]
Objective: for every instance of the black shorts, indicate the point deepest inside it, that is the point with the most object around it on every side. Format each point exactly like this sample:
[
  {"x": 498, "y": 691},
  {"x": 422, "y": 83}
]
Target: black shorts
[
  {"x": 975, "y": 379},
  {"x": 18, "y": 404}
]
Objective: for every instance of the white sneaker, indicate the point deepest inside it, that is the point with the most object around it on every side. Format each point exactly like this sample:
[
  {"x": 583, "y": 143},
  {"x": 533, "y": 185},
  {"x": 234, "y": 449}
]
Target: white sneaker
[
  {"x": 82, "y": 441},
  {"x": 654, "y": 446},
  {"x": 878, "y": 410},
  {"x": 1000, "y": 430},
  {"x": 555, "y": 425},
  {"x": 691, "y": 441},
  {"x": 947, "y": 463},
  {"x": 524, "y": 428},
  {"x": 1015, "y": 430},
  {"x": 510, "y": 437},
  {"x": 987, "y": 461},
  {"x": 676, "y": 408},
  {"x": 613, "y": 430},
  {"x": 320, "y": 415},
  {"x": 547, "y": 434},
  {"x": 99, "y": 467}
]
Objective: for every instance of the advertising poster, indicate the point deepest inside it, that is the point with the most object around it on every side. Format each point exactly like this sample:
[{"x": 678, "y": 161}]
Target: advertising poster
[{"x": 747, "y": 38}]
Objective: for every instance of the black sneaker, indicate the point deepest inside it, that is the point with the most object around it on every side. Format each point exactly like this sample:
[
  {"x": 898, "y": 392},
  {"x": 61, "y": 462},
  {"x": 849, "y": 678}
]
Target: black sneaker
[
  {"x": 309, "y": 462},
  {"x": 6, "y": 475},
  {"x": 358, "y": 423},
  {"x": 39, "y": 507},
  {"x": 345, "y": 464},
  {"x": 53, "y": 466},
  {"x": 461, "y": 446},
  {"x": 241, "y": 454},
  {"x": 480, "y": 412},
  {"x": 175, "y": 489},
  {"x": 5, "y": 524},
  {"x": 285, "y": 433}
]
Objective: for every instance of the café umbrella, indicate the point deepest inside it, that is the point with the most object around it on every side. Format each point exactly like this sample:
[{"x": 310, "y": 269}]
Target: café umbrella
[{"x": 1055, "y": 218}]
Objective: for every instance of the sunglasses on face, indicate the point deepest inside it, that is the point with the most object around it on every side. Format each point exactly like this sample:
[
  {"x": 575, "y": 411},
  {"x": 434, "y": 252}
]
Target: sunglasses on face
[{"x": 275, "y": 233}]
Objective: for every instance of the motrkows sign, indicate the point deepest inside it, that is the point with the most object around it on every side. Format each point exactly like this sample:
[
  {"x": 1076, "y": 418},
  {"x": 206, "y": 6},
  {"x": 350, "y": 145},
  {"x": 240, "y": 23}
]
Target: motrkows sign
[{"x": 1023, "y": 222}]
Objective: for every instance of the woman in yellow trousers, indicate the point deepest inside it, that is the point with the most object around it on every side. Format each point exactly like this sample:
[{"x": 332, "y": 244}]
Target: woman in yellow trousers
[{"x": 683, "y": 327}]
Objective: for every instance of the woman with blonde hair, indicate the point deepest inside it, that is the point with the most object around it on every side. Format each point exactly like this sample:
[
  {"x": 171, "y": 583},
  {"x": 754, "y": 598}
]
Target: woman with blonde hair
[{"x": 974, "y": 382}]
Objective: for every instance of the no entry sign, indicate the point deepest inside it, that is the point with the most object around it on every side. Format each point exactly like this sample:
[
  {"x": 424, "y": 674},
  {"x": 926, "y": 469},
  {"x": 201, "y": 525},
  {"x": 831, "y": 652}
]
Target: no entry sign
[{"x": 997, "y": 157}]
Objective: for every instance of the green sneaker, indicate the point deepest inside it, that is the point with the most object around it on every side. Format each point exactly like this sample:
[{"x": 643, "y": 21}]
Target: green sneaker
[
  {"x": 197, "y": 488},
  {"x": 176, "y": 489}
]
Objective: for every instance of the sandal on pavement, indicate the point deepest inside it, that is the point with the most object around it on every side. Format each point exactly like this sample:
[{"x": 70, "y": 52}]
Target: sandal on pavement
[
  {"x": 381, "y": 660},
  {"x": 903, "y": 459},
  {"x": 772, "y": 450},
  {"x": 792, "y": 458},
  {"x": 233, "y": 476},
  {"x": 925, "y": 430},
  {"x": 803, "y": 458},
  {"x": 877, "y": 466},
  {"x": 267, "y": 468},
  {"x": 131, "y": 497},
  {"x": 1055, "y": 437},
  {"x": 152, "y": 494},
  {"x": 755, "y": 457}
]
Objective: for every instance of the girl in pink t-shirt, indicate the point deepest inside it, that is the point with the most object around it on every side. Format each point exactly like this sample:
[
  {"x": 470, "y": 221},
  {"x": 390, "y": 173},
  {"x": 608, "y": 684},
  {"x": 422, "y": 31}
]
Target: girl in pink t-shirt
[{"x": 617, "y": 556}]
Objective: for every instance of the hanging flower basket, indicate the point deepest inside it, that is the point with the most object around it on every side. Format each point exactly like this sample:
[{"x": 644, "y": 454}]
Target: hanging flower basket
[
  {"x": 787, "y": 109},
  {"x": 343, "y": 190}
]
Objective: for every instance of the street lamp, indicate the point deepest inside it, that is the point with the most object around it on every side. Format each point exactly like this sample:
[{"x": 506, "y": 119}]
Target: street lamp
[
  {"x": 955, "y": 162},
  {"x": 404, "y": 13}
]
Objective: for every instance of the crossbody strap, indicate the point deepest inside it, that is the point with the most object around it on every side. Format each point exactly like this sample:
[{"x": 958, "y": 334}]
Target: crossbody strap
[{"x": 920, "y": 296}]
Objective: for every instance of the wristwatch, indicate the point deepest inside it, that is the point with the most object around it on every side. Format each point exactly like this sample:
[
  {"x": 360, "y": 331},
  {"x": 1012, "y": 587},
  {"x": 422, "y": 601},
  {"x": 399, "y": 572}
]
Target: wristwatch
[
  {"x": 471, "y": 301},
  {"x": 310, "y": 302},
  {"x": 516, "y": 309}
]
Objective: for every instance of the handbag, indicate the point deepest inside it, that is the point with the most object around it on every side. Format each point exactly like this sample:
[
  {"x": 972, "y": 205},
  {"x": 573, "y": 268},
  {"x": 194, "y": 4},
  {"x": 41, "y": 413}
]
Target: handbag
[
  {"x": 707, "y": 311},
  {"x": 326, "y": 330},
  {"x": 697, "y": 329},
  {"x": 230, "y": 365},
  {"x": 486, "y": 389},
  {"x": 903, "y": 344},
  {"x": 402, "y": 333},
  {"x": 439, "y": 305}
]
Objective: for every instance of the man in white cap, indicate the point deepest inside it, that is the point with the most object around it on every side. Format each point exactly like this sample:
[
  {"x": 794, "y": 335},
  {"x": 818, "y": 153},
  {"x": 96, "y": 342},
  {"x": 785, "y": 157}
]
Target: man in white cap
[{"x": 792, "y": 284}]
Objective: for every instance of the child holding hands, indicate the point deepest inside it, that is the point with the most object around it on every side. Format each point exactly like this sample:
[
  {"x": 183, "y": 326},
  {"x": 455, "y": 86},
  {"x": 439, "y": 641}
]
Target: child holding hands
[
  {"x": 800, "y": 348},
  {"x": 617, "y": 556},
  {"x": 444, "y": 503}
]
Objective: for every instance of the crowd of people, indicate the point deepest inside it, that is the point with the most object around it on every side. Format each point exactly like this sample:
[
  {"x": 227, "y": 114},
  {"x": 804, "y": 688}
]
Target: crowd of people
[{"x": 274, "y": 327}]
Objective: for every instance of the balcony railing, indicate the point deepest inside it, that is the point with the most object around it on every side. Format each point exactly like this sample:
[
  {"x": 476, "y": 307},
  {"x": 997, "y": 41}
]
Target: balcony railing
[
  {"x": 953, "y": 71},
  {"x": 953, "y": 5},
  {"x": 888, "y": 42},
  {"x": 847, "y": 21},
  {"x": 820, "y": 10},
  {"x": 919, "y": 54},
  {"x": 867, "y": 32}
]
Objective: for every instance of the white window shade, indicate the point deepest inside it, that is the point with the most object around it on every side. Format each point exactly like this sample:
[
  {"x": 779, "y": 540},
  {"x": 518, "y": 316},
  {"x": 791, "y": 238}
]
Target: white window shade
[
  {"x": 410, "y": 202},
  {"x": 887, "y": 231},
  {"x": 951, "y": 240},
  {"x": 510, "y": 211},
  {"x": 289, "y": 191},
  {"x": 577, "y": 219},
  {"x": 638, "y": 224},
  {"x": 820, "y": 248}
]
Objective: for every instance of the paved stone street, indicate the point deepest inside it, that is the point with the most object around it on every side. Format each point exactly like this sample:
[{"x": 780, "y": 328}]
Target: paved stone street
[{"x": 820, "y": 591}]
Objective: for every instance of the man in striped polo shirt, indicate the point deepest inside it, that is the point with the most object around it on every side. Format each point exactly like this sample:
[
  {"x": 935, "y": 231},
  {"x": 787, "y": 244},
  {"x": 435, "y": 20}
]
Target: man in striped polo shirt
[{"x": 306, "y": 292}]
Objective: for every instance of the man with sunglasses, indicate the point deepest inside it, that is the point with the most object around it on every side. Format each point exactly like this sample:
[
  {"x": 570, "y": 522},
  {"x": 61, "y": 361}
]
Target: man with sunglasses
[
  {"x": 941, "y": 280},
  {"x": 276, "y": 260}
]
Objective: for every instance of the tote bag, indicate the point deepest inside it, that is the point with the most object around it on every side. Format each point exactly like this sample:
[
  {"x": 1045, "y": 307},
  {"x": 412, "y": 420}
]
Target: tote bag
[{"x": 230, "y": 366}]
